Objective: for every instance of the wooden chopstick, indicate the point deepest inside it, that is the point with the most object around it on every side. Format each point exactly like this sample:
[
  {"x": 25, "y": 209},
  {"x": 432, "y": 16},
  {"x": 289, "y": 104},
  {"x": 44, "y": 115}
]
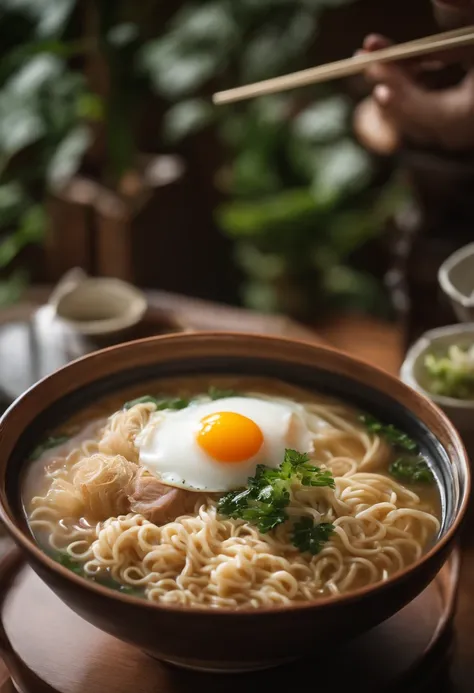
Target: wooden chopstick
[{"x": 457, "y": 38}]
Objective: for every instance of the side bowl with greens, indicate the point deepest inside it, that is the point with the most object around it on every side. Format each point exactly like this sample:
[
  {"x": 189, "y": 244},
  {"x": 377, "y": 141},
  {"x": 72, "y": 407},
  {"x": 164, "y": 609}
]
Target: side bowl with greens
[{"x": 440, "y": 365}]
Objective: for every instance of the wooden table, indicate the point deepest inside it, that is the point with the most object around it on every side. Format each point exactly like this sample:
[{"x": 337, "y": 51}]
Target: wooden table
[{"x": 373, "y": 341}]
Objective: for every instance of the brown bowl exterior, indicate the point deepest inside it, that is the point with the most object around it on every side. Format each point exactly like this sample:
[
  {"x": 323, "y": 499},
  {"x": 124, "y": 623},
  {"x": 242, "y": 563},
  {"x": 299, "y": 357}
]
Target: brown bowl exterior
[{"x": 221, "y": 639}]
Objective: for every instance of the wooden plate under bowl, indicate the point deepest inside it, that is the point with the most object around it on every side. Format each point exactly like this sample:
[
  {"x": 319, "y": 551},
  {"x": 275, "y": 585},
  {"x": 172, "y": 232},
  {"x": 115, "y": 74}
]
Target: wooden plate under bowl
[{"x": 49, "y": 649}]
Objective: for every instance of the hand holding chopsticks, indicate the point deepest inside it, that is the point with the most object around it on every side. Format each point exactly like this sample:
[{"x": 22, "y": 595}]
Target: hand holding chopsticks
[{"x": 459, "y": 38}]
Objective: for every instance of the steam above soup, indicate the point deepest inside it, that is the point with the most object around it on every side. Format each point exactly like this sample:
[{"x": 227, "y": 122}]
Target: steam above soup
[{"x": 255, "y": 496}]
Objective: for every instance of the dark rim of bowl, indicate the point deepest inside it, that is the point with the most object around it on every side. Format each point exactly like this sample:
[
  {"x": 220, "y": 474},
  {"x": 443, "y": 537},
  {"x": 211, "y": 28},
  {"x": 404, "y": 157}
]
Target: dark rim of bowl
[{"x": 31, "y": 547}]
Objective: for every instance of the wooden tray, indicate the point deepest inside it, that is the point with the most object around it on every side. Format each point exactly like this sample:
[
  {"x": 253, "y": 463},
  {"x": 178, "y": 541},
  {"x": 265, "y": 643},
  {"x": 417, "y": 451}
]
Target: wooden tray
[{"x": 49, "y": 649}]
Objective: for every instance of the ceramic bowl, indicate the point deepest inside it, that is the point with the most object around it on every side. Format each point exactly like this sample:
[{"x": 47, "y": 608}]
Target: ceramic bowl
[
  {"x": 456, "y": 278},
  {"x": 413, "y": 373},
  {"x": 215, "y": 639},
  {"x": 97, "y": 306}
]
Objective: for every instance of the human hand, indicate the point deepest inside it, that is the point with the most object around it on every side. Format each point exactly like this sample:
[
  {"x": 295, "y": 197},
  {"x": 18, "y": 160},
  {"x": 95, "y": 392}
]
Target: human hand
[{"x": 401, "y": 108}]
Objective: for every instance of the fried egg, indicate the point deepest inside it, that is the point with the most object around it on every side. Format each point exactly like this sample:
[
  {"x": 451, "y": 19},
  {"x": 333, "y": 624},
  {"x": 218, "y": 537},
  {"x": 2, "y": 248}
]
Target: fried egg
[{"x": 216, "y": 445}]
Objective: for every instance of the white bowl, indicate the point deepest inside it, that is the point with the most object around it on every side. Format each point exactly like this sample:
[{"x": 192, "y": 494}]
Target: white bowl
[
  {"x": 456, "y": 278},
  {"x": 413, "y": 373},
  {"x": 99, "y": 306}
]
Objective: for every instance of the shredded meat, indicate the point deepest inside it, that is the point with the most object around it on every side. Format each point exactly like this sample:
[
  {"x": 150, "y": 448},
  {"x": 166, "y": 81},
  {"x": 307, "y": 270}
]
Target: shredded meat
[{"x": 158, "y": 502}]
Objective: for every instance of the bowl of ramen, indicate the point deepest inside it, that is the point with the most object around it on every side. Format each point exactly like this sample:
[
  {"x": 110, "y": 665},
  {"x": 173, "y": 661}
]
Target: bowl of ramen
[{"x": 230, "y": 502}]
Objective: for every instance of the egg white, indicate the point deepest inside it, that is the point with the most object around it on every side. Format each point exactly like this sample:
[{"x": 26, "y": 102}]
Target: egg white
[{"x": 169, "y": 450}]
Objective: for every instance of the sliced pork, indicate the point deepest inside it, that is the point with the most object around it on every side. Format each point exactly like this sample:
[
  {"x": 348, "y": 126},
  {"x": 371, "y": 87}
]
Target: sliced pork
[{"x": 158, "y": 502}]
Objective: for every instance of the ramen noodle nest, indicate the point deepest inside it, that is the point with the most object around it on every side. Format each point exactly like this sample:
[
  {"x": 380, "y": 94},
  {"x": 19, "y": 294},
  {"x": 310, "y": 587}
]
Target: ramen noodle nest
[{"x": 257, "y": 495}]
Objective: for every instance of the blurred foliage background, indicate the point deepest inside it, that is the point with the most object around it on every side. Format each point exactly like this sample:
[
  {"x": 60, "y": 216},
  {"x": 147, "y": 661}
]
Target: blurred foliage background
[{"x": 303, "y": 205}]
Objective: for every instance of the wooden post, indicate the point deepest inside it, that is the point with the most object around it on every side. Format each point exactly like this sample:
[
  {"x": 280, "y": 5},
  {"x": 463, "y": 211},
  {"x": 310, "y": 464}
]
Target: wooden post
[
  {"x": 113, "y": 236},
  {"x": 68, "y": 241}
]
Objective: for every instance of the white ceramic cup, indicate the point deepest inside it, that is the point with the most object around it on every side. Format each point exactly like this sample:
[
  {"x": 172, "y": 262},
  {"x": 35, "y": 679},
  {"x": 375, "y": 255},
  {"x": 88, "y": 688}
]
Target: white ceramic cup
[
  {"x": 456, "y": 278},
  {"x": 97, "y": 306}
]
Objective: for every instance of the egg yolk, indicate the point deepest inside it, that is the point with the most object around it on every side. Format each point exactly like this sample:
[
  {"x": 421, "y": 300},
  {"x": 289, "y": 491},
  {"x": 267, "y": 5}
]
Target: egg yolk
[{"x": 229, "y": 437}]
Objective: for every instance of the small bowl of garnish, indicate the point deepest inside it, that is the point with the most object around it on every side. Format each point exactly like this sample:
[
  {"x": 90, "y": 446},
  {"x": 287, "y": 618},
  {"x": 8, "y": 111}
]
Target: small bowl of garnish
[{"x": 440, "y": 365}]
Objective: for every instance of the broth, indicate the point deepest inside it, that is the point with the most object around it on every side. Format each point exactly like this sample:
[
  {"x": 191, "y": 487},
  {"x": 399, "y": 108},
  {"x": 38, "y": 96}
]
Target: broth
[{"x": 252, "y": 493}]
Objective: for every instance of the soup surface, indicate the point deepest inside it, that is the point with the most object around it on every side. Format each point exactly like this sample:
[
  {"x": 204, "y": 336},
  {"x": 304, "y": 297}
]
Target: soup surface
[{"x": 235, "y": 493}]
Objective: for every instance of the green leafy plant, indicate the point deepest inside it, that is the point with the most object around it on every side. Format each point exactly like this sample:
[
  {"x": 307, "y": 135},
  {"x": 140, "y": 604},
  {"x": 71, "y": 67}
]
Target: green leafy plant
[
  {"x": 302, "y": 203},
  {"x": 301, "y": 197},
  {"x": 44, "y": 106}
]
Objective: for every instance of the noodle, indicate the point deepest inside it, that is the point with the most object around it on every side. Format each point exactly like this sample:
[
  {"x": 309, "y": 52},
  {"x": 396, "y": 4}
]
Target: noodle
[{"x": 203, "y": 559}]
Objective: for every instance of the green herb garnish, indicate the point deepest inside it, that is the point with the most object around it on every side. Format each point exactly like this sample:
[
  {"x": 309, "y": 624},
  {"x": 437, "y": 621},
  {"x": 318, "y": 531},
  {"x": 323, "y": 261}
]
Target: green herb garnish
[
  {"x": 68, "y": 562},
  {"x": 160, "y": 402},
  {"x": 48, "y": 444},
  {"x": 164, "y": 402},
  {"x": 296, "y": 466},
  {"x": 412, "y": 470},
  {"x": 75, "y": 567},
  {"x": 173, "y": 403},
  {"x": 451, "y": 374},
  {"x": 392, "y": 434},
  {"x": 246, "y": 505},
  {"x": 308, "y": 536},
  {"x": 131, "y": 591},
  {"x": 217, "y": 393},
  {"x": 141, "y": 400},
  {"x": 263, "y": 503}
]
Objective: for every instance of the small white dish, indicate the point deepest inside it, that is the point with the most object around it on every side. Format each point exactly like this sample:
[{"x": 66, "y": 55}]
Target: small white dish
[
  {"x": 97, "y": 306},
  {"x": 456, "y": 278},
  {"x": 413, "y": 373}
]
